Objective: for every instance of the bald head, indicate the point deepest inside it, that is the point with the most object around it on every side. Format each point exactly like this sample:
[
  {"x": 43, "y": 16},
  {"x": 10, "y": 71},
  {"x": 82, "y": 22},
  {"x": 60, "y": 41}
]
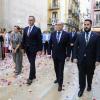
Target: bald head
[{"x": 59, "y": 26}]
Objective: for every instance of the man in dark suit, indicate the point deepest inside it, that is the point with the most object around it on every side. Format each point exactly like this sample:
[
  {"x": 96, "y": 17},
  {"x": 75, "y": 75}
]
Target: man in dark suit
[
  {"x": 32, "y": 44},
  {"x": 73, "y": 36},
  {"x": 87, "y": 56},
  {"x": 58, "y": 42}
]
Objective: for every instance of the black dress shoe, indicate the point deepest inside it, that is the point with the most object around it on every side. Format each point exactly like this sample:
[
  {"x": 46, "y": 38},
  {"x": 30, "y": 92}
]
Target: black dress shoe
[
  {"x": 72, "y": 60},
  {"x": 29, "y": 82},
  {"x": 34, "y": 77},
  {"x": 80, "y": 93},
  {"x": 89, "y": 89},
  {"x": 60, "y": 88},
  {"x": 55, "y": 81}
]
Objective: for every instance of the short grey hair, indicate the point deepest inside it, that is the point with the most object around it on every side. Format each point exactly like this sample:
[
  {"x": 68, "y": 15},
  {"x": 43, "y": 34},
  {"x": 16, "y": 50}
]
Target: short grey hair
[{"x": 32, "y": 17}]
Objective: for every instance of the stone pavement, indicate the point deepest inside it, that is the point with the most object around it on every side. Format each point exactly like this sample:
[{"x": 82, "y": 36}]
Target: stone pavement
[{"x": 43, "y": 88}]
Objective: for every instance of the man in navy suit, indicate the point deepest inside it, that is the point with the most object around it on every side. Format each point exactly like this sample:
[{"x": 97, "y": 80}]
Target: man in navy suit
[
  {"x": 73, "y": 36},
  {"x": 32, "y": 44},
  {"x": 87, "y": 56},
  {"x": 58, "y": 43}
]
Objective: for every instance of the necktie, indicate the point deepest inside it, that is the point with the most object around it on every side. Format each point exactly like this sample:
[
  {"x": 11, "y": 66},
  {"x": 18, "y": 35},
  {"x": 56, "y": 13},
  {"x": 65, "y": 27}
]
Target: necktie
[
  {"x": 87, "y": 38},
  {"x": 73, "y": 34},
  {"x": 58, "y": 37},
  {"x": 29, "y": 31}
]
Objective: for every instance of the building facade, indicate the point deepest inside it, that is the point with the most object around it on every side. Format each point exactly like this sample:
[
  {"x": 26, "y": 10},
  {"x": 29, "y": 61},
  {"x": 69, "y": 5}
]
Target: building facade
[
  {"x": 66, "y": 11},
  {"x": 16, "y": 12},
  {"x": 1, "y": 12},
  {"x": 95, "y": 15},
  {"x": 46, "y": 12}
]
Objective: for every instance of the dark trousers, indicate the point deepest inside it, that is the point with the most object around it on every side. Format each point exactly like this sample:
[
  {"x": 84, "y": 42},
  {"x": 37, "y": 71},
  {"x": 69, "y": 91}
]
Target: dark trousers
[
  {"x": 59, "y": 69},
  {"x": 70, "y": 52},
  {"x": 31, "y": 58},
  {"x": 46, "y": 47},
  {"x": 86, "y": 72}
]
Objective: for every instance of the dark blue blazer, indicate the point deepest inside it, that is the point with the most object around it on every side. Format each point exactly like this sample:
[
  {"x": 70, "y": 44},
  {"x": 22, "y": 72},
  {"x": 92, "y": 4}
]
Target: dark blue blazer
[
  {"x": 72, "y": 39},
  {"x": 33, "y": 42},
  {"x": 91, "y": 51},
  {"x": 59, "y": 49}
]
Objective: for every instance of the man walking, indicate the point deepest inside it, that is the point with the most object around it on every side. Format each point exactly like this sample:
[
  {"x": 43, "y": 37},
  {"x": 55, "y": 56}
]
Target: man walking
[
  {"x": 58, "y": 44},
  {"x": 87, "y": 56},
  {"x": 70, "y": 50},
  {"x": 32, "y": 44}
]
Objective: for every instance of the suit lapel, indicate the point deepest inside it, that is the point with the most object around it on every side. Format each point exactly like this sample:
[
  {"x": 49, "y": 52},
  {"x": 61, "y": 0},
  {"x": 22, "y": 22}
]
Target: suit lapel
[
  {"x": 55, "y": 37},
  {"x": 92, "y": 34},
  {"x": 32, "y": 31},
  {"x": 61, "y": 36},
  {"x": 83, "y": 39}
]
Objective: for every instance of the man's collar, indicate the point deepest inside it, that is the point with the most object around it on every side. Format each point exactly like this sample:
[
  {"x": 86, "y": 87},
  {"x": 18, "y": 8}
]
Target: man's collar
[
  {"x": 32, "y": 26},
  {"x": 89, "y": 32},
  {"x": 60, "y": 31}
]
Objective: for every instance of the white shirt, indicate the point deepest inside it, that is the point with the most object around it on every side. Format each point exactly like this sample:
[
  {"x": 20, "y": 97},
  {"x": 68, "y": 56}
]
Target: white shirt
[
  {"x": 29, "y": 29},
  {"x": 7, "y": 40},
  {"x": 73, "y": 33},
  {"x": 59, "y": 36},
  {"x": 47, "y": 37}
]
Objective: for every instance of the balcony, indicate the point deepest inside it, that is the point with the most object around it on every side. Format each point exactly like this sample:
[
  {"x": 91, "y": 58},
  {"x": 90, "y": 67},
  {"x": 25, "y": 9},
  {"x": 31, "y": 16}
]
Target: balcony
[
  {"x": 70, "y": 9},
  {"x": 76, "y": 1},
  {"x": 97, "y": 6},
  {"x": 54, "y": 7},
  {"x": 52, "y": 21}
]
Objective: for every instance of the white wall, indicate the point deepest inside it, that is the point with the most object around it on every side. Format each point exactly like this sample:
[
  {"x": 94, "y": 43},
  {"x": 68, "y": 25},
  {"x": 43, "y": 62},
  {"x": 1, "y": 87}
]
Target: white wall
[
  {"x": 16, "y": 12},
  {"x": 1, "y": 12}
]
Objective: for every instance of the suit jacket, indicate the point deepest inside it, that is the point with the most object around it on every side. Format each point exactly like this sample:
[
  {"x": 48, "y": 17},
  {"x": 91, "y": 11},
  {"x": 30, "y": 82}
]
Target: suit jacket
[
  {"x": 33, "y": 42},
  {"x": 58, "y": 49},
  {"x": 91, "y": 50},
  {"x": 72, "y": 39}
]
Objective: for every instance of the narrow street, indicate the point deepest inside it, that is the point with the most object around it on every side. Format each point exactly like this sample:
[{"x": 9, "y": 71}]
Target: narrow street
[{"x": 43, "y": 88}]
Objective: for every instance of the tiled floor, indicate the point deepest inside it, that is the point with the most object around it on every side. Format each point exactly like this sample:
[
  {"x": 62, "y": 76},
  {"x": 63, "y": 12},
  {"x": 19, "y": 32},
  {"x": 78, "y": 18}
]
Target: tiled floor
[{"x": 43, "y": 88}]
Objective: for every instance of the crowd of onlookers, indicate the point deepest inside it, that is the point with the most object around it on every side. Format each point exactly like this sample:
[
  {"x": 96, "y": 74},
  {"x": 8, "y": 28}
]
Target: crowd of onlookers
[
  {"x": 10, "y": 45},
  {"x": 5, "y": 41}
]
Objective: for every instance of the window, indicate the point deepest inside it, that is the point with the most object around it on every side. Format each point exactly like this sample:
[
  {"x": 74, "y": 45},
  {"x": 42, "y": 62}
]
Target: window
[
  {"x": 54, "y": 17},
  {"x": 55, "y": 3},
  {"x": 97, "y": 5},
  {"x": 97, "y": 18}
]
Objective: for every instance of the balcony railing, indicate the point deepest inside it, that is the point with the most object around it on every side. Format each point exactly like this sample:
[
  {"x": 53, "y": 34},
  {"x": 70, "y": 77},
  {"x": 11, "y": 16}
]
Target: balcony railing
[
  {"x": 96, "y": 24},
  {"x": 53, "y": 21},
  {"x": 97, "y": 8},
  {"x": 54, "y": 7}
]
